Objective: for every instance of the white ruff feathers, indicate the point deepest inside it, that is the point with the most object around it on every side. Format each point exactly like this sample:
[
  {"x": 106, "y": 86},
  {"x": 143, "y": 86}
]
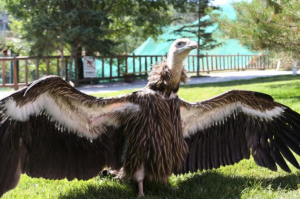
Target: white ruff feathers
[
  {"x": 196, "y": 119},
  {"x": 78, "y": 120}
]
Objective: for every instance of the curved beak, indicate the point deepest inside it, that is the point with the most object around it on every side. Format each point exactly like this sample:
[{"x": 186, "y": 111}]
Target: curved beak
[{"x": 192, "y": 45}]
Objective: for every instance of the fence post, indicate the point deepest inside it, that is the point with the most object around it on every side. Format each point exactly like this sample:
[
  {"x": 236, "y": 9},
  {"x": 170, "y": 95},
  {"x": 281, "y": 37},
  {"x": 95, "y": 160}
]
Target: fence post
[
  {"x": 238, "y": 61},
  {"x": 140, "y": 65},
  {"x": 133, "y": 57},
  {"x": 202, "y": 64},
  {"x": 212, "y": 62},
  {"x": 198, "y": 63},
  {"x": 194, "y": 65},
  {"x": 15, "y": 73},
  {"x": 146, "y": 63},
  {"x": 102, "y": 59},
  {"x": 66, "y": 69},
  {"x": 118, "y": 64},
  {"x": 110, "y": 67},
  {"x": 76, "y": 75},
  {"x": 71, "y": 67},
  {"x": 26, "y": 71},
  {"x": 37, "y": 69},
  {"x": 57, "y": 68},
  {"x": 3, "y": 73},
  {"x": 47, "y": 66},
  {"x": 207, "y": 66},
  {"x": 126, "y": 63}
]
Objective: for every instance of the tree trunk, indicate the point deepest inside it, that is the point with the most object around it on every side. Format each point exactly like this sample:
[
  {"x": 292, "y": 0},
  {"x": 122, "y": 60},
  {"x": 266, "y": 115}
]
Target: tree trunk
[
  {"x": 62, "y": 58},
  {"x": 79, "y": 62},
  {"x": 199, "y": 37}
]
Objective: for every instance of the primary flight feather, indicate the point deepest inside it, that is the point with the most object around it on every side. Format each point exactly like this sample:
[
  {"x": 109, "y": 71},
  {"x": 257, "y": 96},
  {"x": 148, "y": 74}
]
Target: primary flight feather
[{"x": 51, "y": 130}]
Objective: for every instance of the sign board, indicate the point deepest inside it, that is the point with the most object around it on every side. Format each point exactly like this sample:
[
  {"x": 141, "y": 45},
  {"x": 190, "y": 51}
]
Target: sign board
[{"x": 89, "y": 67}]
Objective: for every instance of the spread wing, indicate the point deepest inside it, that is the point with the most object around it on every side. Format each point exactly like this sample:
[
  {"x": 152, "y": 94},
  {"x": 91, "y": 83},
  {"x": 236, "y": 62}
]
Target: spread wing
[
  {"x": 49, "y": 129},
  {"x": 225, "y": 129}
]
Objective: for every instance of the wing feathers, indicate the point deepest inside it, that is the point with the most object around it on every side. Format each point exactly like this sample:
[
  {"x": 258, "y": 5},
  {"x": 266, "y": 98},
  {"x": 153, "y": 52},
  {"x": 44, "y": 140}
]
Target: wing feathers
[
  {"x": 237, "y": 142},
  {"x": 286, "y": 152},
  {"x": 220, "y": 147},
  {"x": 70, "y": 109},
  {"x": 231, "y": 144},
  {"x": 192, "y": 161},
  {"x": 200, "y": 150},
  {"x": 231, "y": 125},
  {"x": 51, "y": 130},
  {"x": 215, "y": 152},
  {"x": 70, "y": 156},
  {"x": 290, "y": 143},
  {"x": 11, "y": 162},
  {"x": 277, "y": 157}
]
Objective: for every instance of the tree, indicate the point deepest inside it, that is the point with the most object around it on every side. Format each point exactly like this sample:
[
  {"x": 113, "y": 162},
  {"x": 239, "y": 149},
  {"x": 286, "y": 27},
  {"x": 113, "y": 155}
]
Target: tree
[
  {"x": 200, "y": 8},
  {"x": 265, "y": 25},
  {"x": 93, "y": 26}
]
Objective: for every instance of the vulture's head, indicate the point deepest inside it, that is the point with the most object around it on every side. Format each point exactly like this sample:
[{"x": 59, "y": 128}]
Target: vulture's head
[{"x": 178, "y": 51}]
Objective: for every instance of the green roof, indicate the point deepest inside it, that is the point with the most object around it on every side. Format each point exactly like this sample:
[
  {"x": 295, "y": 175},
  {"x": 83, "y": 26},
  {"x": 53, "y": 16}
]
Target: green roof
[{"x": 161, "y": 45}]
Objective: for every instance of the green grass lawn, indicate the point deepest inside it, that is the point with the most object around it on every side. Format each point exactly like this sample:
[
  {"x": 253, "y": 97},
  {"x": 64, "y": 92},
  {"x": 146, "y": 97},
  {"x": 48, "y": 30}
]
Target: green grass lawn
[{"x": 243, "y": 180}]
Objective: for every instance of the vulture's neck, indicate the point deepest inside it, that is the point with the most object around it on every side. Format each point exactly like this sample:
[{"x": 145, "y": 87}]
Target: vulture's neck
[
  {"x": 175, "y": 65},
  {"x": 166, "y": 79}
]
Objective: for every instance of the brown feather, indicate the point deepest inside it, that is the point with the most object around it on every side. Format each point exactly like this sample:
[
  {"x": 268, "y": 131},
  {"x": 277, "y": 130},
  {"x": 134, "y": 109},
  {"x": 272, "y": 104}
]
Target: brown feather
[{"x": 161, "y": 79}]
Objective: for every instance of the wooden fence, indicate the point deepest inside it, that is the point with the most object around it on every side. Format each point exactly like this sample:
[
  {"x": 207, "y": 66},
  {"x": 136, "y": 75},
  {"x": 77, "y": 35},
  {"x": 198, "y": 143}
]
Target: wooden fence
[{"x": 19, "y": 71}]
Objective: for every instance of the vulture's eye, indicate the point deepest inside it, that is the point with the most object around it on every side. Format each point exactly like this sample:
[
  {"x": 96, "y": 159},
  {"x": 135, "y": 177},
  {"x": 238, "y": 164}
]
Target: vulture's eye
[{"x": 180, "y": 44}]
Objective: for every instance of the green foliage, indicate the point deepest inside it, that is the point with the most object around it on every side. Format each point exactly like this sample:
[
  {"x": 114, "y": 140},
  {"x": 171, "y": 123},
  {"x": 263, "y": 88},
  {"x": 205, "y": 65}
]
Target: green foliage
[
  {"x": 96, "y": 26},
  {"x": 265, "y": 25},
  {"x": 2, "y": 6},
  {"x": 200, "y": 9},
  {"x": 242, "y": 180},
  {"x": 199, "y": 29},
  {"x": 9, "y": 31}
]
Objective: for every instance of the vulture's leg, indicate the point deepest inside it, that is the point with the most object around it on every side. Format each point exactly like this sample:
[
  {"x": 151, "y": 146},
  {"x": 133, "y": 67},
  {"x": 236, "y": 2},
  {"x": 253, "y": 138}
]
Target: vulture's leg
[
  {"x": 140, "y": 175},
  {"x": 141, "y": 190}
]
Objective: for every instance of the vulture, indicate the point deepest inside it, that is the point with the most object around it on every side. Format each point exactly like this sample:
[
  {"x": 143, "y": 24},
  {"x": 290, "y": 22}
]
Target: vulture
[{"x": 51, "y": 130}]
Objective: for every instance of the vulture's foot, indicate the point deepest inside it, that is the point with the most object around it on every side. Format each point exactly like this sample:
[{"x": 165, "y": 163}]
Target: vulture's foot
[
  {"x": 118, "y": 174},
  {"x": 141, "y": 190},
  {"x": 115, "y": 174}
]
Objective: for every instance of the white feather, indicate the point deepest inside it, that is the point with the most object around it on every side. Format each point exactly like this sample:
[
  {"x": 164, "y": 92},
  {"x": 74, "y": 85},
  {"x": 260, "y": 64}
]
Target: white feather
[
  {"x": 77, "y": 119},
  {"x": 196, "y": 119}
]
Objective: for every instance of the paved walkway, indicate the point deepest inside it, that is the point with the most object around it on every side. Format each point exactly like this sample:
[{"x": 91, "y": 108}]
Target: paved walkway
[{"x": 209, "y": 78}]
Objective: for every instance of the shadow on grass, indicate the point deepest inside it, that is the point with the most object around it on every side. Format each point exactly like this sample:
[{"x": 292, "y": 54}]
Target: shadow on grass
[
  {"x": 245, "y": 82},
  {"x": 201, "y": 185}
]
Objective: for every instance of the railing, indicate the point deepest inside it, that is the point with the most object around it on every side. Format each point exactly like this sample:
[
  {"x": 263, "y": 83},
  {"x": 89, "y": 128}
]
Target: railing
[
  {"x": 237, "y": 62},
  {"x": 114, "y": 67},
  {"x": 19, "y": 71}
]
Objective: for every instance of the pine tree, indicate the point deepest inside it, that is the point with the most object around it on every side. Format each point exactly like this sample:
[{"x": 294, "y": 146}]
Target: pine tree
[
  {"x": 265, "y": 25},
  {"x": 94, "y": 26},
  {"x": 204, "y": 38}
]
